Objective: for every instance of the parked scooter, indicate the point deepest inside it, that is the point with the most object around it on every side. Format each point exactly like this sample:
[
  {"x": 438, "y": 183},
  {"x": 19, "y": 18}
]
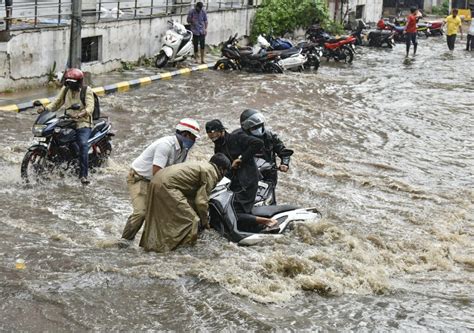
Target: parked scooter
[
  {"x": 312, "y": 51},
  {"x": 57, "y": 147},
  {"x": 177, "y": 45},
  {"x": 291, "y": 58},
  {"x": 381, "y": 38},
  {"x": 244, "y": 58}
]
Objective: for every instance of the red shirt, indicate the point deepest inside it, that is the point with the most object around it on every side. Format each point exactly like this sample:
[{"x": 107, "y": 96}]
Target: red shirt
[{"x": 411, "y": 24}]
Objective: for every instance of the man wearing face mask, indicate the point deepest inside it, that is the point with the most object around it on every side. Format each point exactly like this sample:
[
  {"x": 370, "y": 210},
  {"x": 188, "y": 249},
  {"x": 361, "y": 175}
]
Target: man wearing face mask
[
  {"x": 241, "y": 148},
  {"x": 253, "y": 123},
  {"x": 162, "y": 153},
  {"x": 71, "y": 94}
]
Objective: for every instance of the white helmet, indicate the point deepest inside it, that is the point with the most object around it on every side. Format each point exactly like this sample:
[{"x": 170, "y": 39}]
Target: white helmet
[{"x": 189, "y": 125}]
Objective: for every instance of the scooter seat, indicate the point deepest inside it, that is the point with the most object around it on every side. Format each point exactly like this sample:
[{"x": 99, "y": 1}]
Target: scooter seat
[
  {"x": 186, "y": 37},
  {"x": 269, "y": 211},
  {"x": 290, "y": 52},
  {"x": 97, "y": 127}
]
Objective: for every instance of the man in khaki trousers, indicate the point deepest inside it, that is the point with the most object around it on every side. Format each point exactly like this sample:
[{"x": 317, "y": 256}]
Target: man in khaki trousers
[{"x": 163, "y": 152}]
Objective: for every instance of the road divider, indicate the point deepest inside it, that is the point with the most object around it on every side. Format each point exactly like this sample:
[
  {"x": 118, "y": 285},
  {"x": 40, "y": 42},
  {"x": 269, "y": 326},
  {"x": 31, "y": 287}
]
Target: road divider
[{"x": 113, "y": 88}]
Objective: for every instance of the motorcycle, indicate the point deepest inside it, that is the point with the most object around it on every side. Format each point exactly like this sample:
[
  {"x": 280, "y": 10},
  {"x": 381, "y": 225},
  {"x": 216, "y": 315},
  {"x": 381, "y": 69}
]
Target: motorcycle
[
  {"x": 379, "y": 38},
  {"x": 339, "y": 49},
  {"x": 57, "y": 148},
  {"x": 244, "y": 58},
  {"x": 223, "y": 218},
  {"x": 311, "y": 50},
  {"x": 435, "y": 28},
  {"x": 291, "y": 58},
  {"x": 177, "y": 45},
  {"x": 398, "y": 32}
]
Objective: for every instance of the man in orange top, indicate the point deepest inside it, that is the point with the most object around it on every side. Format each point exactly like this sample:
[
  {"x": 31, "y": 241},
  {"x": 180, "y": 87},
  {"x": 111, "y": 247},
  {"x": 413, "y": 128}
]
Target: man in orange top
[{"x": 410, "y": 30}]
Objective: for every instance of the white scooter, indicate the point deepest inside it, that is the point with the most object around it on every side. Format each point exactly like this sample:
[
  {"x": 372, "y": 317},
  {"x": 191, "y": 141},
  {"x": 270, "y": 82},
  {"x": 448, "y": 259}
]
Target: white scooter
[
  {"x": 177, "y": 45},
  {"x": 291, "y": 59}
]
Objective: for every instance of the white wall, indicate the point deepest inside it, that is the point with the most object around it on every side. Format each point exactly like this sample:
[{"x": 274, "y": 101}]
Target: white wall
[{"x": 27, "y": 57}]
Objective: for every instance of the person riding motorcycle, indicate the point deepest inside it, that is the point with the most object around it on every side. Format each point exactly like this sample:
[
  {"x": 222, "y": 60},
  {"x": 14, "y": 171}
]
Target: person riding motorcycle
[
  {"x": 71, "y": 94},
  {"x": 253, "y": 123},
  {"x": 240, "y": 148}
]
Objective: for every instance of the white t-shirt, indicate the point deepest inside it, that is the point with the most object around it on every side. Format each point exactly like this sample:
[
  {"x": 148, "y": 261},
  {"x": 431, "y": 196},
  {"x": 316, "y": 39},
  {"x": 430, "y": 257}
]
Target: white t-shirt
[
  {"x": 163, "y": 152},
  {"x": 471, "y": 28}
]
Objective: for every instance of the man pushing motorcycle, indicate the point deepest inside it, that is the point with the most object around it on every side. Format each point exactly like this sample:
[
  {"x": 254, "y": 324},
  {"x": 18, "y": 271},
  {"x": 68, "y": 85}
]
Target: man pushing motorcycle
[{"x": 71, "y": 94}]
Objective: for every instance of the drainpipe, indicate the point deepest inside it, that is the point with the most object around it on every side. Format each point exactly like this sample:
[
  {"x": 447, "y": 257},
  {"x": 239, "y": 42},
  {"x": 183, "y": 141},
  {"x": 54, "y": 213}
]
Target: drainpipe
[{"x": 75, "y": 41}]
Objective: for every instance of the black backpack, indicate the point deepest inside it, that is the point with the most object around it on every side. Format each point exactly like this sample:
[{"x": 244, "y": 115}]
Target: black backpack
[{"x": 96, "y": 112}]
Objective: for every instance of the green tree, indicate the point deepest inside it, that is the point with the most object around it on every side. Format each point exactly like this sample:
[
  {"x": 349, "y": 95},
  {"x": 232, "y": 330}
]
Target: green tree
[{"x": 281, "y": 16}]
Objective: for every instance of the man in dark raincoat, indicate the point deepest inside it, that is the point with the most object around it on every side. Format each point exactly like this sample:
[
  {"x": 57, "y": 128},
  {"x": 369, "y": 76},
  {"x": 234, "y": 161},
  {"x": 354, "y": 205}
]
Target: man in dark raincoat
[{"x": 178, "y": 199}]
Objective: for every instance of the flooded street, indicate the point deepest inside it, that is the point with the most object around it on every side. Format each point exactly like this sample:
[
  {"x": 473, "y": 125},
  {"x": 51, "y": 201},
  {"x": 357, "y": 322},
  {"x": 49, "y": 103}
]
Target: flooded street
[{"x": 383, "y": 147}]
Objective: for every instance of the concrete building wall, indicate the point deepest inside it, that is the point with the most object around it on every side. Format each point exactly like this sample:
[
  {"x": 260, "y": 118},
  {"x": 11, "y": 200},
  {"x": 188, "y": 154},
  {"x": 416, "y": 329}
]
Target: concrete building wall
[
  {"x": 371, "y": 9},
  {"x": 29, "y": 55}
]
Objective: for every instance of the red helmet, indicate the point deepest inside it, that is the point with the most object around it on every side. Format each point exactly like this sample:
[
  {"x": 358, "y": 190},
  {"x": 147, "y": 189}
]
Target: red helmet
[{"x": 73, "y": 74}]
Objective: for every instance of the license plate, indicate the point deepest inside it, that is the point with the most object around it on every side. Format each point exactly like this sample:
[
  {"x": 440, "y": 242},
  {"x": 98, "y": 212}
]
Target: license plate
[{"x": 41, "y": 139}]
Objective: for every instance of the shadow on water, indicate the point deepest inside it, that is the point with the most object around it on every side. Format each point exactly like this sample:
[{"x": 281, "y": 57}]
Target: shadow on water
[{"x": 383, "y": 149}]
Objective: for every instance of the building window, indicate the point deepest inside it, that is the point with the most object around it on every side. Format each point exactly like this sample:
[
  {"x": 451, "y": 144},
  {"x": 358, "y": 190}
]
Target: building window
[
  {"x": 91, "y": 47},
  {"x": 360, "y": 11}
]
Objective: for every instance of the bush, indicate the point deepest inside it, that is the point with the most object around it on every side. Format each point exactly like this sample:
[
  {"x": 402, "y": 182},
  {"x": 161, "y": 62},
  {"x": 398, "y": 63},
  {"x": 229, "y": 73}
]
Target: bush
[
  {"x": 281, "y": 16},
  {"x": 442, "y": 10}
]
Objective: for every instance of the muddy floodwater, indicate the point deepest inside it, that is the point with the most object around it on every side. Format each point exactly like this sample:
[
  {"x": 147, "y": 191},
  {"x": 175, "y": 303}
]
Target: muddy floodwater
[{"x": 383, "y": 147}]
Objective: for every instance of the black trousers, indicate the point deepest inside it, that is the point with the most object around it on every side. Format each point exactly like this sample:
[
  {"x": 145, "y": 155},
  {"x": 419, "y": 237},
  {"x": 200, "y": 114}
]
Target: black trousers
[
  {"x": 451, "y": 40},
  {"x": 470, "y": 43},
  {"x": 199, "y": 41}
]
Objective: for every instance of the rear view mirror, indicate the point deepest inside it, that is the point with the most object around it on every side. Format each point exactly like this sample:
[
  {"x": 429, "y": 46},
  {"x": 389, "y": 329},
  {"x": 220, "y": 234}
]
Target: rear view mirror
[{"x": 286, "y": 152}]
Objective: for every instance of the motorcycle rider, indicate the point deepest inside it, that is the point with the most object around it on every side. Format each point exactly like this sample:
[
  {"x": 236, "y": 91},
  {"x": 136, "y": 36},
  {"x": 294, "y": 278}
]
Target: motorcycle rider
[
  {"x": 166, "y": 151},
  {"x": 253, "y": 123},
  {"x": 71, "y": 94},
  {"x": 241, "y": 148}
]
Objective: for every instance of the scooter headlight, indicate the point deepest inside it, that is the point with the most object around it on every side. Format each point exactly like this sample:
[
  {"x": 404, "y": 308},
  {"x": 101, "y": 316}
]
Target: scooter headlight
[{"x": 38, "y": 130}]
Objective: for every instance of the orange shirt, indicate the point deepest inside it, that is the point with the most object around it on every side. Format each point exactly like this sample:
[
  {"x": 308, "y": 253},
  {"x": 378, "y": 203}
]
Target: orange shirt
[{"x": 411, "y": 23}]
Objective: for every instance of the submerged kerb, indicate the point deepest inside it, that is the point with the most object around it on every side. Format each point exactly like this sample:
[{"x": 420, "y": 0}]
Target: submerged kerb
[{"x": 113, "y": 88}]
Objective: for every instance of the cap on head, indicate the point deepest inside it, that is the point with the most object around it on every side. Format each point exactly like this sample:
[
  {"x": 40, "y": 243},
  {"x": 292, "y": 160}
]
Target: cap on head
[
  {"x": 189, "y": 125},
  {"x": 251, "y": 118},
  {"x": 214, "y": 125},
  {"x": 221, "y": 161}
]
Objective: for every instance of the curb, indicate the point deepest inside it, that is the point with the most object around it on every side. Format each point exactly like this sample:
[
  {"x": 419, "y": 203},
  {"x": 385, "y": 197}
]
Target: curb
[{"x": 116, "y": 87}]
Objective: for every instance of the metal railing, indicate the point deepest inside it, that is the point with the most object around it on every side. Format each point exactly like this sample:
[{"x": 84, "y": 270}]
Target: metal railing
[{"x": 38, "y": 13}]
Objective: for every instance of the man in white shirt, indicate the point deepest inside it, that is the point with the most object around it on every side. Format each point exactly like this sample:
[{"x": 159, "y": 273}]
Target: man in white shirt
[
  {"x": 470, "y": 37},
  {"x": 163, "y": 152}
]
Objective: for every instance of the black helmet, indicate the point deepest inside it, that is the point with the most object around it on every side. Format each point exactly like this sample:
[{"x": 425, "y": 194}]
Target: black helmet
[
  {"x": 251, "y": 118},
  {"x": 221, "y": 161}
]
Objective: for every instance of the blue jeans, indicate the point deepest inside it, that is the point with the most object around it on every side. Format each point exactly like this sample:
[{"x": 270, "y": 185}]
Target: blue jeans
[{"x": 82, "y": 136}]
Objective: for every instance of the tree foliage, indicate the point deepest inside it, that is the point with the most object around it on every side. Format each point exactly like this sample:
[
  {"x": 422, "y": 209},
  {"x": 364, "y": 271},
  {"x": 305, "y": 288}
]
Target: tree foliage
[{"x": 281, "y": 16}]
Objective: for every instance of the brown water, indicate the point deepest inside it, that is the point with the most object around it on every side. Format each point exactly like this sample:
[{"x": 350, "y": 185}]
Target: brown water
[{"x": 384, "y": 148}]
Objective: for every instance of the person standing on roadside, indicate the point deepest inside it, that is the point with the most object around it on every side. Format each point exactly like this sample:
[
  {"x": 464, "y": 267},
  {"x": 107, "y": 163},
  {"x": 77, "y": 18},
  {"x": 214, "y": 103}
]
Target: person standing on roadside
[
  {"x": 470, "y": 37},
  {"x": 453, "y": 23},
  {"x": 410, "y": 30},
  {"x": 162, "y": 153},
  {"x": 197, "y": 18}
]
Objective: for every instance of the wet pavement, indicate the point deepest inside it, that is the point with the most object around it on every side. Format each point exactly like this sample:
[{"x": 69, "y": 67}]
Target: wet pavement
[{"x": 384, "y": 148}]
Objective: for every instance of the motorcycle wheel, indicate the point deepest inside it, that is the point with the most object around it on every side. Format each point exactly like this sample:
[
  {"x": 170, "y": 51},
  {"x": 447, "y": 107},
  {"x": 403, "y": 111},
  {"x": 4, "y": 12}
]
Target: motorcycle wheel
[
  {"x": 348, "y": 56},
  {"x": 272, "y": 68},
  {"x": 224, "y": 64},
  {"x": 161, "y": 60},
  {"x": 102, "y": 151},
  {"x": 33, "y": 166}
]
